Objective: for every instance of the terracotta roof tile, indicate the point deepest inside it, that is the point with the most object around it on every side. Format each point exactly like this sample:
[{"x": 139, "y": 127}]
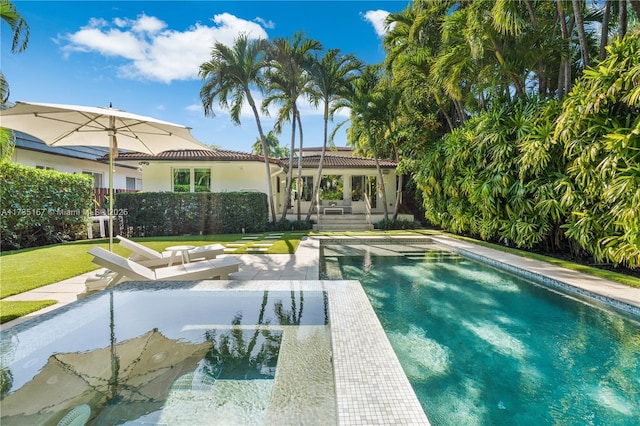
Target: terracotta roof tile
[
  {"x": 338, "y": 162},
  {"x": 194, "y": 155},
  {"x": 308, "y": 161}
]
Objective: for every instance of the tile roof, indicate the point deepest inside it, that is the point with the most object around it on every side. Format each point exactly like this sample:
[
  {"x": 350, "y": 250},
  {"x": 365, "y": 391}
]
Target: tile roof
[
  {"x": 341, "y": 162},
  {"x": 194, "y": 155},
  {"x": 308, "y": 161}
]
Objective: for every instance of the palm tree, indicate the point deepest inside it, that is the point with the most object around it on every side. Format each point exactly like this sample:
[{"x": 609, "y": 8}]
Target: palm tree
[
  {"x": 228, "y": 77},
  {"x": 367, "y": 123},
  {"x": 275, "y": 150},
  {"x": 288, "y": 79},
  {"x": 332, "y": 76},
  {"x": 20, "y": 30},
  {"x": 18, "y": 25}
]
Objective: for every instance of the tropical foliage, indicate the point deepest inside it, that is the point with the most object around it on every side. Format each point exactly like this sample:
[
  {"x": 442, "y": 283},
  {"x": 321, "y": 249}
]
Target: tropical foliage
[
  {"x": 600, "y": 130},
  {"x": 20, "y": 39},
  {"x": 538, "y": 131},
  {"x": 516, "y": 120},
  {"x": 229, "y": 78}
]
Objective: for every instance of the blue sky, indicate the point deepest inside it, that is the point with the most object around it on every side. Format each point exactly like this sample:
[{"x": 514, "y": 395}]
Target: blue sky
[{"x": 143, "y": 56}]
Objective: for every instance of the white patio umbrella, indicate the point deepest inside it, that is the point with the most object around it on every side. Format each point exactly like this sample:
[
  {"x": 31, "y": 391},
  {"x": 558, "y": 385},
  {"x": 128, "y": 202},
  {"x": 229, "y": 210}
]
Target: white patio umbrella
[{"x": 73, "y": 125}]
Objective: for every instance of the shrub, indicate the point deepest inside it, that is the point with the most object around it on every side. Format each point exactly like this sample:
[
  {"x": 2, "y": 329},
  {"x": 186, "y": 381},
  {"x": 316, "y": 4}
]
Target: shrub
[
  {"x": 40, "y": 207},
  {"x": 389, "y": 224},
  {"x": 153, "y": 214},
  {"x": 290, "y": 225}
]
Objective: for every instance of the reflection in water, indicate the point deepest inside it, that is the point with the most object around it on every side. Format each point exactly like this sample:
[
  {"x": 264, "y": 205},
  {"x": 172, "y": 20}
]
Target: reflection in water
[
  {"x": 242, "y": 354},
  {"x": 171, "y": 371}
]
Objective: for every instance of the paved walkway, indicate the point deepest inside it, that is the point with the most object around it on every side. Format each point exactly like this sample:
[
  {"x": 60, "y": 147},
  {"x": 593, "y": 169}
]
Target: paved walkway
[
  {"x": 305, "y": 265},
  {"x": 586, "y": 284}
]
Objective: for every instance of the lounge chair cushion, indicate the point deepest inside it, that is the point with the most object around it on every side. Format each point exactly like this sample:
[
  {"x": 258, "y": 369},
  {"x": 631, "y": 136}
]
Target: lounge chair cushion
[
  {"x": 127, "y": 268},
  {"x": 152, "y": 258}
]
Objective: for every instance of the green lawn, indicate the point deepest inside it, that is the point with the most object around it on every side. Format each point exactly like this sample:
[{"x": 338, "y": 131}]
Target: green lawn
[
  {"x": 12, "y": 310},
  {"x": 24, "y": 270}
]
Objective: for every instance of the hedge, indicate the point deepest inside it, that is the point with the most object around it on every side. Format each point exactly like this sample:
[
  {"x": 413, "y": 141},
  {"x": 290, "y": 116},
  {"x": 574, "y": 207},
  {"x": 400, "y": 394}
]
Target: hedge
[
  {"x": 40, "y": 207},
  {"x": 154, "y": 214}
]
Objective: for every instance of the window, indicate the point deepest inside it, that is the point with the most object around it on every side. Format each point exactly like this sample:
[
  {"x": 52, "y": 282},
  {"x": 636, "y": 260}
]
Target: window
[
  {"x": 181, "y": 180},
  {"x": 331, "y": 187},
  {"x": 38, "y": 166},
  {"x": 131, "y": 183},
  {"x": 202, "y": 180},
  {"x": 192, "y": 180},
  {"x": 97, "y": 178},
  {"x": 307, "y": 188},
  {"x": 357, "y": 188}
]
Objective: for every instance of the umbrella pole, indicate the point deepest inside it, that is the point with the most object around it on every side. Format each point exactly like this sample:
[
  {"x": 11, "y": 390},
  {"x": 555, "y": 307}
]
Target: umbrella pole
[{"x": 112, "y": 137}]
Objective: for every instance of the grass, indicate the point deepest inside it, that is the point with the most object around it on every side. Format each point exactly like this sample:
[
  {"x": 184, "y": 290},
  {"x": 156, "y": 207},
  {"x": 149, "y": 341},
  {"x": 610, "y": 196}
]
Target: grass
[
  {"x": 27, "y": 269},
  {"x": 24, "y": 270},
  {"x": 12, "y": 310}
]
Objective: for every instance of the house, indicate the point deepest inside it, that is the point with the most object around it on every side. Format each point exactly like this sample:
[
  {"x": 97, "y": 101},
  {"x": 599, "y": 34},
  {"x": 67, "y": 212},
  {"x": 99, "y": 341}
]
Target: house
[
  {"x": 31, "y": 151},
  {"x": 350, "y": 195},
  {"x": 350, "y": 190}
]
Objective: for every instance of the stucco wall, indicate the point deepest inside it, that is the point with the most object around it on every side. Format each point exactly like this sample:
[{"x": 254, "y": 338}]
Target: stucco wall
[
  {"x": 225, "y": 176},
  {"x": 75, "y": 165}
]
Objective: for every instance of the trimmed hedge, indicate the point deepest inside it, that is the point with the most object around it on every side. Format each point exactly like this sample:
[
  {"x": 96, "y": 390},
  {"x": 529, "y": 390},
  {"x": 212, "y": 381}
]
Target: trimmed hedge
[
  {"x": 40, "y": 207},
  {"x": 156, "y": 214}
]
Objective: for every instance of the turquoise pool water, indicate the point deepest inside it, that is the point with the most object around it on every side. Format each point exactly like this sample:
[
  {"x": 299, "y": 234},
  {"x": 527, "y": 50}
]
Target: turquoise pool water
[
  {"x": 169, "y": 354},
  {"x": 482, "y": 347}
]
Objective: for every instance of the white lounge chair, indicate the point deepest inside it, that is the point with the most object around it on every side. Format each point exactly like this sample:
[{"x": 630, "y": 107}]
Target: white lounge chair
[
  {"x": 151, "y": 258},
  {"x": 122, "y": 268}
]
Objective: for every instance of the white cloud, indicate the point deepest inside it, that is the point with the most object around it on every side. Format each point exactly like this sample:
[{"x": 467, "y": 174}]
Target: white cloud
[
  {"x": 266, "y": 24},
  {"x": 376, "y": 18},
  {"x": 148, "y": 24},
  {"x": 195, "y": 108},
  {"x": 152, "y": 51}
]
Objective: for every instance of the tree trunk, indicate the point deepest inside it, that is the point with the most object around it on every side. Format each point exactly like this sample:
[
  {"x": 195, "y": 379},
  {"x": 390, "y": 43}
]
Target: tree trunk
[
  {"x": 443, "y": 111},
  {"x": 382, "y": 188},
  {"x": 316, "y": 182},
  {"x": 582, "y": 37},
  {"x": 285, "y": 208},
  {"x": 604, "y": 34},
  {"x": 299, "y": 185},
  {"x": 460, "y": 110},
  {"x": 396, "y": 207},
  {"x": 562, "y": 73},
  {"x": 622, "y": 19},
  {"x": 635, "y": 5},
  {"x": 265, "y": 152},
  {"x": 532, "y": 13}
]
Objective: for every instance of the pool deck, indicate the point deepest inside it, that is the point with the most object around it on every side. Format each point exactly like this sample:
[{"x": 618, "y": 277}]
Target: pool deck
[{"x": 370, "y": 385}]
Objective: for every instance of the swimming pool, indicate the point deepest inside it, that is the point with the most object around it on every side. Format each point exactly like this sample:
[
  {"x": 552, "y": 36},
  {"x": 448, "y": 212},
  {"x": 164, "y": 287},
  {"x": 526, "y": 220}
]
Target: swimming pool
[
  {"x": 481, "y": 346},
  {"x": 173, "y": 355}
]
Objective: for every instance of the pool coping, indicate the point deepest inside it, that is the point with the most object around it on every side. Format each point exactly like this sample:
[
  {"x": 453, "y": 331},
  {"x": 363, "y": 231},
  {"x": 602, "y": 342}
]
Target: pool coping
[{"x": 622, "y": 298}]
